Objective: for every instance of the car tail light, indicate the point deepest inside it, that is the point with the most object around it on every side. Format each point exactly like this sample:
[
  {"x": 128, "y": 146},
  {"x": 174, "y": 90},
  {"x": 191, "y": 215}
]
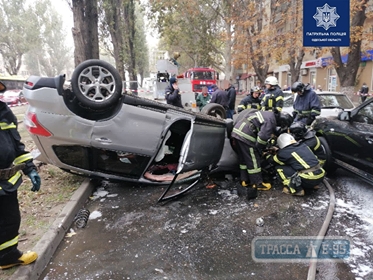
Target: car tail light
[
  {"x": 30, "y": 84},
  {"x": 34, "y": 127}
]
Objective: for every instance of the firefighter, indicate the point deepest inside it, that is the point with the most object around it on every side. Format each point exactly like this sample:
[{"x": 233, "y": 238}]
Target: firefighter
[
  {"x": 13, "y": 159},
  {"x": 306, "y": 105},
  {"x": 296, "y": 165},
  {"x": 250, "y": 134},
  {"x": 273, "y": 99},
  {"x": 308, "y": 136},
  {"x": 251, "y": 101},
  {"x": 172, "y": 93}
]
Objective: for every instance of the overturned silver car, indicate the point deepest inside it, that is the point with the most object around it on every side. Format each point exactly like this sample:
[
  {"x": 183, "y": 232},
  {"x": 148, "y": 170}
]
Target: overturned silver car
[{"x": 93, "y": 128}]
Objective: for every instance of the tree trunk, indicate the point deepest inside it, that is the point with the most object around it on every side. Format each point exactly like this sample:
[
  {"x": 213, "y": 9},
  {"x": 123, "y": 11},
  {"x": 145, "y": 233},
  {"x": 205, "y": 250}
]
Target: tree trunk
[
  {"x": 85, "y": 30},
  {"x": 347, "y": 72}
]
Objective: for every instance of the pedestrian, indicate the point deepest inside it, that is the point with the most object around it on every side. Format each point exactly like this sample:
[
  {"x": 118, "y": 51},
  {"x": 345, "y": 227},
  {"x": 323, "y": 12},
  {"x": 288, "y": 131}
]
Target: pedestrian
[
  {"x": 364, "y": 92},
  {"x": 203, "y": 98},
  {"x": 308, "y": 136},
  {"x": 13, "y": 159},
  {"x": 172, "y": 93},
  {"x": 250, "y": 134},
  {"x": 296, "y": 165},
  {"x": 273, "y": 99},
  {"x": 306, "y": 105},
  {"x": 220, "y": 96},
  {"x": 232, "y": 100},
  {"x": 251, "y": 101},
  {"x": 286, "y": 87}
]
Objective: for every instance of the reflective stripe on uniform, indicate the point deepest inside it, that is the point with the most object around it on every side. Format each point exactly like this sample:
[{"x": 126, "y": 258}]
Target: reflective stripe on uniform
[
  {"x": 300, "y": 160},
  {"x": 275, "y": 159},
  {"x": 243, "y": 167},
  {"x": 4, "y": 125},
  {"x": 312, "y": 176},
  {"x": 244, "y": 135},
  {"x": 23, "y": 158},
  {"x": 13, "y": 180},
  {"x": 317, "y": 144},
  {"x": 9, "y": 243},
  {"x": 284, "y": 179}
]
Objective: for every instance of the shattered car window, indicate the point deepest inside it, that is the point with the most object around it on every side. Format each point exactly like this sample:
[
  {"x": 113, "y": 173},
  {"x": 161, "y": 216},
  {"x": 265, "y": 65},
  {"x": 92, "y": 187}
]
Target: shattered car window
[
  {"x": 335, "y": 101},
  {"x": 365, "y": 115}
]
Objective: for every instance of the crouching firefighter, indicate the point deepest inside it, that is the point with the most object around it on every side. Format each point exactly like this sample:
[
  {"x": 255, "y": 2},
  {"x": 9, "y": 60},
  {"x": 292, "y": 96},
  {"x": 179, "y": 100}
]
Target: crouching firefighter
[
  {"x": 13, "y": 159},
  {"x": 296, "y": 166},
  {"x": 251, "y": 132},
  {"x": 308, "y": 136}
]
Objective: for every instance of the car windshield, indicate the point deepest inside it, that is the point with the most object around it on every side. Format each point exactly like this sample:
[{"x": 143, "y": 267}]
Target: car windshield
[{"x": 331, "y": 100}]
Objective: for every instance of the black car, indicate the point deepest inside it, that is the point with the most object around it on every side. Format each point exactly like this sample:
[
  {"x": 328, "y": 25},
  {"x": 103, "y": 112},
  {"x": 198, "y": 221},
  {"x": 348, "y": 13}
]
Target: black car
[{"x": 348, "y": 140}]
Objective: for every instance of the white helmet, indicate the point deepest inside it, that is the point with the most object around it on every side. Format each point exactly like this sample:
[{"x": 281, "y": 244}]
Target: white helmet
[
  {"x": 285, "y": 139},
  {"x": 271, "y": 80}
]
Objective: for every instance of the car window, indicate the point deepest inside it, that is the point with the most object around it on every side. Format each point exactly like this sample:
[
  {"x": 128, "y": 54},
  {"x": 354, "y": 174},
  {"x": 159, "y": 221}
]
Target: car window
[
  {"x": 365, "y": 114},
  {"x": 340, "y": 101},
  {"x": 288, "y": 102}
]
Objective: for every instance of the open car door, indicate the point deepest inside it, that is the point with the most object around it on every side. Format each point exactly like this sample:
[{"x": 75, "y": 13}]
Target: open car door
[{"x": 201, "y": 150}]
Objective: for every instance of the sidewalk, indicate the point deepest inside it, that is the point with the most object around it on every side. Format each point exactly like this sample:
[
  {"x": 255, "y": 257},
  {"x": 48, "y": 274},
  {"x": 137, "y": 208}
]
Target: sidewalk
[{"x": 48, "y": 244}]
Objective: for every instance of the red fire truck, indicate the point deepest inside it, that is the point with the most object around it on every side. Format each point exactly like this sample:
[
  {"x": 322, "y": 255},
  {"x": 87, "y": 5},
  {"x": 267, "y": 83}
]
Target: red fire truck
[{"x": 201, "y": 76}]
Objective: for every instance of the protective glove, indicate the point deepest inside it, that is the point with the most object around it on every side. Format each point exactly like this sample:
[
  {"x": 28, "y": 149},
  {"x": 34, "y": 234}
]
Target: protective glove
[{"x": 35, "y": 180}]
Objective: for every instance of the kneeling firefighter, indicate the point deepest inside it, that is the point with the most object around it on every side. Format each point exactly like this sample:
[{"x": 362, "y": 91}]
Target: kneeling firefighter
[
  {"x": 308, "y": 136},
  {"x": 296, "y": 165},
  {"x": 251, "y": 101}
]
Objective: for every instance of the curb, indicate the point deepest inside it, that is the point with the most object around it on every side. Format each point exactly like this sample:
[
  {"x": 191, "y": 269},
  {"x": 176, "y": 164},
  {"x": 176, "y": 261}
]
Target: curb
[{"x": 48, "y": 244}]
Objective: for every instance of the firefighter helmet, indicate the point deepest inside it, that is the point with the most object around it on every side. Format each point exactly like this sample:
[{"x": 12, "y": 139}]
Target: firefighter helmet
[
  {"x": 284, "y": 120},
  {"x": 271, "y": 80},
  {"x": 298, "y": 130},
  {"x": 255, "y": 89},
  {"x": 298, "y": 87},
  {"x": 285, "y": 139}
]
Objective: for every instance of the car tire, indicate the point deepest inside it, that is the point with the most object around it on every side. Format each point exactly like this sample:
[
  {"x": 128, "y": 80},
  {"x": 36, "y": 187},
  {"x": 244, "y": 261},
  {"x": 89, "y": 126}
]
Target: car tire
[
  {"x": 329, "y": 166},
  {"x": 96, "y": 84},
  {"x": 215, "y": 110}
]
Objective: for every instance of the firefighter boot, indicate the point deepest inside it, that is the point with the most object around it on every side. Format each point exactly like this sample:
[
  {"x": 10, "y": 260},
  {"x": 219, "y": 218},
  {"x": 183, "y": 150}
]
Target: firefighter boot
[
  {"x": 25, "y": 259},
  {"x": 242, "y": 189},
  {"x": 252, "y": 192},
  {"x": 264, "y": 186},
  {"x": 291, "y": 191}
]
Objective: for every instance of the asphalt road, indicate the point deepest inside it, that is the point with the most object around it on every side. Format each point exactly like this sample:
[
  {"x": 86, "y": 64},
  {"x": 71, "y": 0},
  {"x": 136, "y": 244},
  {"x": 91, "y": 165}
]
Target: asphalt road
[{"x": 207, "y": 234}]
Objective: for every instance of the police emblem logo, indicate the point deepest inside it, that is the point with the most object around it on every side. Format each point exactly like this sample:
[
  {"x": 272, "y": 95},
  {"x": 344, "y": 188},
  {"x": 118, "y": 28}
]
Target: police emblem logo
[{"x": 326, "y": 16}]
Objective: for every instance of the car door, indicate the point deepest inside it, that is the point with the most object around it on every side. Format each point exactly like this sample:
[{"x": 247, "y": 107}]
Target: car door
[
  {"x": 353, "y": 140},
  {"x": 124, "y": 144},
  {"x": 202, "y": 146}
]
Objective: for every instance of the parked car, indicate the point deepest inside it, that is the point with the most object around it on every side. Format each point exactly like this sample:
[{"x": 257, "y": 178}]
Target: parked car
[
  {"x": 348, "y": 140},
  {"x": 13, "y": 97},
  {"x": 332, "y": 103},
  {"x": 94, "y": 129}
]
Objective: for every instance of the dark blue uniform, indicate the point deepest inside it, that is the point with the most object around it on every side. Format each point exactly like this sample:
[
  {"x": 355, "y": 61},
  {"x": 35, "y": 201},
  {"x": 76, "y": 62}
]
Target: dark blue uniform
[
  {"x": 273, "y": 99},
  {"x": 306, "y": 106},
  {"x": 13, "y": 156}
]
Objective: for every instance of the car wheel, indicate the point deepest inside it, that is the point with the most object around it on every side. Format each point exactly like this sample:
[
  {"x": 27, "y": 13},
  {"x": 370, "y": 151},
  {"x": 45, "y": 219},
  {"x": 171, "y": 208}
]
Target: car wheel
[
  {"x": 96, "y": 84},
  {"x": 214, "y": 109},
  {"x": 329, "y": 166}
]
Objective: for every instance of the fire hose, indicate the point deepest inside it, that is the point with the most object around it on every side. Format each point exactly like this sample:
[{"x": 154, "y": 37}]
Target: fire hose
[{"x": 312, "y": 268}]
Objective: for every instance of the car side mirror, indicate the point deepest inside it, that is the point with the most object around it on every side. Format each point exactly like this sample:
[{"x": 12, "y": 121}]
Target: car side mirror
[
  {"x": 344, "y": 116},
  {"x": 2, "y": 87}
]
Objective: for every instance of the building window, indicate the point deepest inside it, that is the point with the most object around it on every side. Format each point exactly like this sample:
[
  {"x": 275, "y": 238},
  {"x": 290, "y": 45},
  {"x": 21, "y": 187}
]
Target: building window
[{"x": 313, "y": 79}]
